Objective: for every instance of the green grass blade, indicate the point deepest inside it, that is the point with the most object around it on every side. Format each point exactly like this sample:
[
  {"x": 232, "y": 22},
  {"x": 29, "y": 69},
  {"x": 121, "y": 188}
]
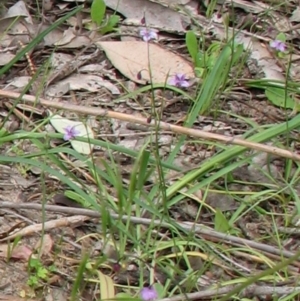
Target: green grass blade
[
  {"x": 215, "y": 80},
  {"x": 233, "y": 152}
]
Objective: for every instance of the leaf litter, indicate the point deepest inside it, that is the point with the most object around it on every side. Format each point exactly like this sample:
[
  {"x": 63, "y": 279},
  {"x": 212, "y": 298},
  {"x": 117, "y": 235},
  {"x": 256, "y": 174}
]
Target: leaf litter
[
  {"x": 88, "y": 84},
  {"x": 134, "y": 57}
]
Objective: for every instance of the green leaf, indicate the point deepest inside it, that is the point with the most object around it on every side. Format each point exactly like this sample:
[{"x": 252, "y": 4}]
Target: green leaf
[
  {"x": 76, "y": 284},
  {"x": 279, "y": 98},
  {"x": 143, "y": 170},
  {"x": 221, "y": 223},
  {"x": 238, "y": 52},
  {"x": 111, "y": 23},
  {"x": 192, "y": 45},
  {"x": 32, "y": 281},
  {"x": 222, "y": 158},
  {"x": 56, "y": 173},
  {"x": 199, "y": 71},
  {"x": 98, "y": 11},
  {"x": 211, "y": 86},
  {"x": 113, "y": 173},
  {"x": 78, "y": 199},
  {"x": 125, "y": 297},
  {"x": 160, "y": 290},
  {"x": 138, "y": 172},
  {"x": 281, "y": 37},
  {"x": 52, "y": 268},
  {"x": 42, "y": 273},
  {"x": 34, "y": 263}
]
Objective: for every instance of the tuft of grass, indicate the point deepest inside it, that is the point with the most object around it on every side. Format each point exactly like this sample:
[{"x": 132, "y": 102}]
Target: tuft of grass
[{"x": 174, "y": 260}]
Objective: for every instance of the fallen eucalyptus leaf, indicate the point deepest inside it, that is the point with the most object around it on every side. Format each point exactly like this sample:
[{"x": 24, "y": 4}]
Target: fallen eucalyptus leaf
[{"x": 132, "y": 59}]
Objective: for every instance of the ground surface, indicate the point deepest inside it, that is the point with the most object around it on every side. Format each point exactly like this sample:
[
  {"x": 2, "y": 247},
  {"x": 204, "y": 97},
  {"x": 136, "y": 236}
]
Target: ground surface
[{"x": 250, "y": 210}]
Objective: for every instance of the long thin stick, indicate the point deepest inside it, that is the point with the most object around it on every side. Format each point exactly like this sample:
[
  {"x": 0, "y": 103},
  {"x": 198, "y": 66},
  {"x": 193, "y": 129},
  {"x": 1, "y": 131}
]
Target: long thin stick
[
  {"x": 162, "y": 125},
  {"x": 187, "y": 226}
]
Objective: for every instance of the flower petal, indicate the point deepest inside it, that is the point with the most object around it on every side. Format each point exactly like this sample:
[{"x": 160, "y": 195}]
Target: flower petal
[
  {"x": 184, "y": 84},
  {"x": 180, "y": 77},
  {"x": 148, "y": 34},
  {"x": 70, "y": 132},
  {"x": 281, "y": 47},
  {"x": 274, "y": 44},
  {"x": 172, "y": 81},
  {"x": 148, "y": 293},
  {"x": 278, "y": 45},
  {"x": 67, "y": 137},
  {"x": 153, "y": 35}
]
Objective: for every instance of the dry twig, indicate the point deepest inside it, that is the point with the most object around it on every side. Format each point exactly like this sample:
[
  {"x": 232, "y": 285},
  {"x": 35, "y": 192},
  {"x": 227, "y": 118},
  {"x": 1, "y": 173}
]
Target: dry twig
[
  {"x": 162, "y": 125},
  {"x": 199, "y": 229}
]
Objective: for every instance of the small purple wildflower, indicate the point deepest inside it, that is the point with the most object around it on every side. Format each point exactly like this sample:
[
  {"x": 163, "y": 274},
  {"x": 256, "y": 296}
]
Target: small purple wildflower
[
  {"x": 70, "y": 132},
  {"x": 148, "y": 293},
  {"x": 179, "y": 80},
  {"x": 148, "y": 34},
  {"x": 278, "y": 45}
]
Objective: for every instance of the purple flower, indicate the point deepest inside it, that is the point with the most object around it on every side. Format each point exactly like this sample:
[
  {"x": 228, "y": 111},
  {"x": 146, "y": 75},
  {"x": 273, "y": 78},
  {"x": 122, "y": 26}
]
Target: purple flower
[
  {"x": 148, "y": 34},
  {"x": 179, "y": 80},
  {"x": 278, "y": 45},
  {"x": 70, "y": 132},
  {"x": 148, "y": 293}
]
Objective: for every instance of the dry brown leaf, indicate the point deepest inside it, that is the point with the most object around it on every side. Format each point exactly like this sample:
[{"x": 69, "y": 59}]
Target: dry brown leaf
[
  {"x": 18, "y": 252},
  {"x": 5, "y": 58},
  {"x": 21, "y": 252},
  {"x": 258, "y": 53},
  {"x": 131, "y": 58},
  {"x": 91, "y": 83},
  {"x": 19, "y": 82},
  {"x": 17, "y": 10},
  {"x": 156, "y": 14},
  {"x": 67, "y": 37},
  {"x": 77, "y": 42},
  {"x": 295, "y": 15},
  {"x": 44, "y": 245},
  {"x": 53, "y": 37}
]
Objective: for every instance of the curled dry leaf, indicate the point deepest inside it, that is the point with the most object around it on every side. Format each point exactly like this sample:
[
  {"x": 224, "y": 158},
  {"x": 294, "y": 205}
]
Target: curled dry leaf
[
  {"x": 17, "y": 10},
  {"x": 131, "y": 59}
]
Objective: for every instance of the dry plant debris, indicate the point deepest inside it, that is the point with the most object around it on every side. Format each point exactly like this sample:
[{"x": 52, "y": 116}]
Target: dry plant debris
[{"x": 114, "y": 181}]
